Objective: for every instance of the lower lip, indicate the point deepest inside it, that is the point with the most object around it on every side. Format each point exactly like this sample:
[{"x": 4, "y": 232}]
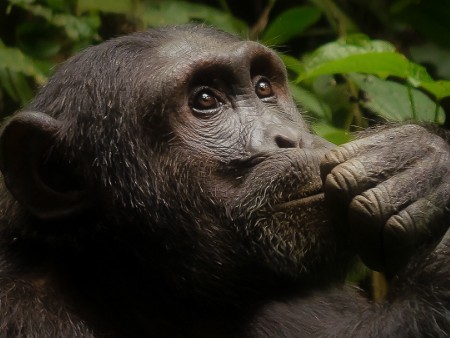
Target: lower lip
[{"x": 300, "y": 202}]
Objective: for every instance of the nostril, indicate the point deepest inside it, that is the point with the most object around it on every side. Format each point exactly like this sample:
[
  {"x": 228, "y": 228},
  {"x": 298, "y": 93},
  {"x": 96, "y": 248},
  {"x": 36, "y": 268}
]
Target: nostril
[{"x": 284, "y": 142}]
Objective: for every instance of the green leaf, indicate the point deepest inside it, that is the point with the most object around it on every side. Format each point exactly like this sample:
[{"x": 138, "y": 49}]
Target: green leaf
[
  {"x": 397, "y": 102},
  {"x": 310, "y": 102},
  {"x": 21, "y": 86},
  {"x": 14, "y": 60},
  {"x": 38, "y": 40},
  {"x": 382, "y": 64},
  {"x": 292, "y": 63},
  {"x": 290, "y": 23},
  {"x": 58, "y": 5},
  {"x": 330, "y": 133},
  {"x": 37, "y": 10},
  {"x": 336, "y": 17},
  {"x": 358, "y": 54},
  {"x": 16, "y": 85},
  {"x": 76, "y": 28},
  {"x": 108, "y": 6},
  {"x": 21, "y": 2},
  {"x": 180, "y": 12},
  {"x": 439, "y": 89},
  {"x": 14, "y": 66},
  {"x": 340, "y": 57},
  {"x": 336, "y": 96},
  {"x": 7, "y": 85},
  {"x": 357, "y": 44}
]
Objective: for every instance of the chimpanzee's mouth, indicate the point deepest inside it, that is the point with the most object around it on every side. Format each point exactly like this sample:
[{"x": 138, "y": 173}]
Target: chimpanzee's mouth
[
  {"x": 308, "y": 194},
  {"x": 300, "y": 202}
]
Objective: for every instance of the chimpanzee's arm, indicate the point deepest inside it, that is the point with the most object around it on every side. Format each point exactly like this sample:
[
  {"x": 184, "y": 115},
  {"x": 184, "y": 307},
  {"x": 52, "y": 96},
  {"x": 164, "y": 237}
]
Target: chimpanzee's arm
[{"x": 418, "y": 305}]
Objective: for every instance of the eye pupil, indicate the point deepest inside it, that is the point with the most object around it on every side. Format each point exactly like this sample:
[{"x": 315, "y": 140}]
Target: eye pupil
[
  {"x": 263, "y": 88},
  {"x": 205, "y": 100}
]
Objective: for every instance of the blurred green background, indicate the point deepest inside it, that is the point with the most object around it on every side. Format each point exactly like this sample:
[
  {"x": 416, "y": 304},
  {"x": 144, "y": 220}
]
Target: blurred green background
[{"x": 352, "y": 63}]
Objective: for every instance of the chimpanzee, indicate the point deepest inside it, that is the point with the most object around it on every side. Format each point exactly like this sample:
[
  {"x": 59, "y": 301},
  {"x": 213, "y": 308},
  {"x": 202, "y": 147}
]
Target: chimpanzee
[{"x": 163, "y": 184}]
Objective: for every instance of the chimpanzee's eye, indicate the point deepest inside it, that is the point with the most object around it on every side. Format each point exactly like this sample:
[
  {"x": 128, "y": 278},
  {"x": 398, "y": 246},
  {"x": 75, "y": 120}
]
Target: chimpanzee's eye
[
  {"x": 263, "y": 88},
  {"x": 205, "y": 101}
]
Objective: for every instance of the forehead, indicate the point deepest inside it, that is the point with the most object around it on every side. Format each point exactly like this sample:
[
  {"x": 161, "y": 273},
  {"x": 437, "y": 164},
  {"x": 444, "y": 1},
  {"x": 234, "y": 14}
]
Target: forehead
[
  {"x": 195, "y": 43},
  {"x": 198, "y": 37},
  {"x": 190, "y": 51}
]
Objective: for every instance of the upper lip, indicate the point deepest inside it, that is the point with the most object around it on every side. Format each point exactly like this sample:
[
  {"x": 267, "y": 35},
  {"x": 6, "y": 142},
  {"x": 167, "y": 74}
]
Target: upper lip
[
  {"x": 249, "y": 161},
  {"x": 304, "y": 198},
  {"x": 300, "y": 201}
]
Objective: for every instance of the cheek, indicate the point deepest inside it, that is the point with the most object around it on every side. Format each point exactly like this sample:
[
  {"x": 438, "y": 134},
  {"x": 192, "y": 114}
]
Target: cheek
[{"x": 218, "y": 136}]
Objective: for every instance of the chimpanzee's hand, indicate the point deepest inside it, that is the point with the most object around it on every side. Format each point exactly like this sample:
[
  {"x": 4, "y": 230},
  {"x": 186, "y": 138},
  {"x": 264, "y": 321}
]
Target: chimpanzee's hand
[{"x": 392, "y": 188}]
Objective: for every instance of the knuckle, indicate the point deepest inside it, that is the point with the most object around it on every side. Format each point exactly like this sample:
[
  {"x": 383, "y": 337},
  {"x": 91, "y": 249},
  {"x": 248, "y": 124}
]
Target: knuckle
[
  {"x": 334, "y": 156},
  {"x": 367, "y": 205},
  {"x": 351, "y": 177},
  {"x": 341, "y": 178},
  {"x": 400, "y": 227}
]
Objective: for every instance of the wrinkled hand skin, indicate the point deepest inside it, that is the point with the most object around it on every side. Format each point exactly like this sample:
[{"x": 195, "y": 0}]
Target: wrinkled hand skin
[{"x": 390, "y": 191}]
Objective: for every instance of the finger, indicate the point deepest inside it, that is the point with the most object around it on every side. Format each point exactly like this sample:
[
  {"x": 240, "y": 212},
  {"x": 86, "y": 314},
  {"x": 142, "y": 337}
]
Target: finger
[
  {"x": 393, "y": 138},
  {"x": 363, "y": 173},
  {"x": 369, "y": 212},
  {"x": 421, "y": 221},
  {"x": 352, "y": 178}
]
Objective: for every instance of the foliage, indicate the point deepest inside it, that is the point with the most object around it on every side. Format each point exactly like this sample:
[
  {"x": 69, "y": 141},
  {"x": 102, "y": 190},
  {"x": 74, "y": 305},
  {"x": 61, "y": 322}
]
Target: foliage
[{"x": 344, "y": 79}]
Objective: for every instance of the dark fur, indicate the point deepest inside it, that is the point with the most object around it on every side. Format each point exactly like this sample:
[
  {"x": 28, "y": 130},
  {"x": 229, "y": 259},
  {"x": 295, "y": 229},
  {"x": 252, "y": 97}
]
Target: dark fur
[{"x": 179, "y": 234}]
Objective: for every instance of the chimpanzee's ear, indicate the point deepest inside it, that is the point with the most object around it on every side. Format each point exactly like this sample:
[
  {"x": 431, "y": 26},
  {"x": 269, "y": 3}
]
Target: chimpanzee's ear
[{"x": 42, "y": 183}]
